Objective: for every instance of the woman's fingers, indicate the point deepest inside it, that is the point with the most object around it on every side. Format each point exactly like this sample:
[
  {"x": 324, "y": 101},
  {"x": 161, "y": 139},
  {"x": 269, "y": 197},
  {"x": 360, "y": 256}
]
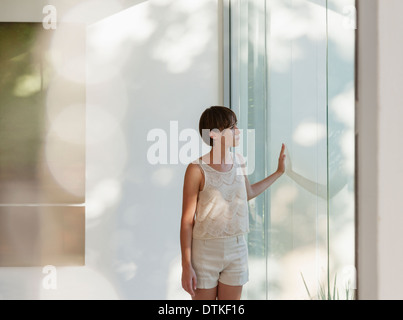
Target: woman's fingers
[
  {"x": 189, "y": 281},
  {"x": 193, "y": 286},
  {"x": 282, "y": 150},
  {"x": 189, "y": 286},
  {"x": 281, "y": 164},
  {"x": 194, "y": 282}
]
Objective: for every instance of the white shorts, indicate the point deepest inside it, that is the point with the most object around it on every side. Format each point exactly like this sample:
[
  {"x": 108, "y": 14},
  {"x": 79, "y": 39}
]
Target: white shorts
[{"x": 222, "y": 259}]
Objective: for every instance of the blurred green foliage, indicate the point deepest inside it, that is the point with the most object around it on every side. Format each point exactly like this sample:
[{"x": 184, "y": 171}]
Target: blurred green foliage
[{"x": 23, "y": 65}]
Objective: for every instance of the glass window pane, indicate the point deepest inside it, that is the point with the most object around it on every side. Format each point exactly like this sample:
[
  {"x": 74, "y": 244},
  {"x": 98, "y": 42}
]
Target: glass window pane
[{"x": 292, "y": 82}]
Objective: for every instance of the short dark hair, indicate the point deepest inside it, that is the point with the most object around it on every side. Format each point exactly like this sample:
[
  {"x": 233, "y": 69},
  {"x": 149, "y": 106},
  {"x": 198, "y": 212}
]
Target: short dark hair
[{"x": 216, "y": 117}]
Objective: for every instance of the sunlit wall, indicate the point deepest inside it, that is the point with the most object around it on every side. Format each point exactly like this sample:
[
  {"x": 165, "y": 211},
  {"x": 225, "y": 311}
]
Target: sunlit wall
[
  {"x": 152, "y": 69},
  {"x": 292, "y": 82},
  {"x": 135, "y": 67}
]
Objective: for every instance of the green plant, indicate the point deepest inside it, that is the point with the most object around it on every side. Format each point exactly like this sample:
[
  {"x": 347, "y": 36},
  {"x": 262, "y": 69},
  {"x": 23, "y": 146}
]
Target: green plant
[{"x": 324, "y": 294}]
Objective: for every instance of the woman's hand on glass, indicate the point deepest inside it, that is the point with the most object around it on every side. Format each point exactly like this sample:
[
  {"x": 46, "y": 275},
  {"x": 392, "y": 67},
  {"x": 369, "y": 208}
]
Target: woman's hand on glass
[{"x": 281, "y": 160}]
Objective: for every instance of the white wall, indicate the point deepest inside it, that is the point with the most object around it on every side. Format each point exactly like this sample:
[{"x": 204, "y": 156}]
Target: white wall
[
  {"x": 153, "y": 63},
  {"x": 380, "y": 153},
  {"x": 390, "y": 170}
]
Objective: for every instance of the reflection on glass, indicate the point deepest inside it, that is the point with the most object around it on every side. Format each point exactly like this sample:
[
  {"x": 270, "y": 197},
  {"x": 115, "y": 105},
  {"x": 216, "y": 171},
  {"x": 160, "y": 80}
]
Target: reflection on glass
[
  {"x": 292, "y": 81},
  {"x": 42, "y": 145},
  {"x": 42, "y": 115}
]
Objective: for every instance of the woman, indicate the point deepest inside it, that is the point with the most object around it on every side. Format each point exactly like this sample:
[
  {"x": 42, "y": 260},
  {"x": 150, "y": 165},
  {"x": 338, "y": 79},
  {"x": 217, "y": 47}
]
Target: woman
[{"x": 215, "y": 212}]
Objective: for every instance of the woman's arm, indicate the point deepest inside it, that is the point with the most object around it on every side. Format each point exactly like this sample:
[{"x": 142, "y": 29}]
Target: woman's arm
[
  {"x": 257, "y": 188},
  {"x": 339, "y": 181},
  {"x": 191, "y": 187}
]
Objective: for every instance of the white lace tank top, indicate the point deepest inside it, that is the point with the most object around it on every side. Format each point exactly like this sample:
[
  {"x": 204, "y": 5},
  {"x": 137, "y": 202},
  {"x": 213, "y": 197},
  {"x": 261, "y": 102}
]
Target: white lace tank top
[{"x": 222, "y": 208}]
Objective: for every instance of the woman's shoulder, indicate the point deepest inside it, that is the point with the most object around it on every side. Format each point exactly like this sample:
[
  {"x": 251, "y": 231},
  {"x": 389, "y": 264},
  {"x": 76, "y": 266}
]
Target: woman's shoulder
[{"x": 194, "y": 166}]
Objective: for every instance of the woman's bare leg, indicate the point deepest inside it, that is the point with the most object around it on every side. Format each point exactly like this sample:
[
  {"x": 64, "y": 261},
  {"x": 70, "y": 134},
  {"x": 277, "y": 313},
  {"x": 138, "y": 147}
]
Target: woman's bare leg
[
  {"x": 205, "y": 294},
  {"x": 226, "y": 292}
]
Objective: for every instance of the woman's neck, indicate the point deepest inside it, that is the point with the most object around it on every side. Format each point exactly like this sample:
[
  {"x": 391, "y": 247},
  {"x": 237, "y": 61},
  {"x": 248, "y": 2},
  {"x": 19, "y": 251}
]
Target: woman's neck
[{"x": 220, "y": 155}]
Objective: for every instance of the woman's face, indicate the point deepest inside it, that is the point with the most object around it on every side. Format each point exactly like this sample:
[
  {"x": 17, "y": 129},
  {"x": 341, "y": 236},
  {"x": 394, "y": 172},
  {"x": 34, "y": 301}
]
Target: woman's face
[{"x": 230, "y": 136}]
